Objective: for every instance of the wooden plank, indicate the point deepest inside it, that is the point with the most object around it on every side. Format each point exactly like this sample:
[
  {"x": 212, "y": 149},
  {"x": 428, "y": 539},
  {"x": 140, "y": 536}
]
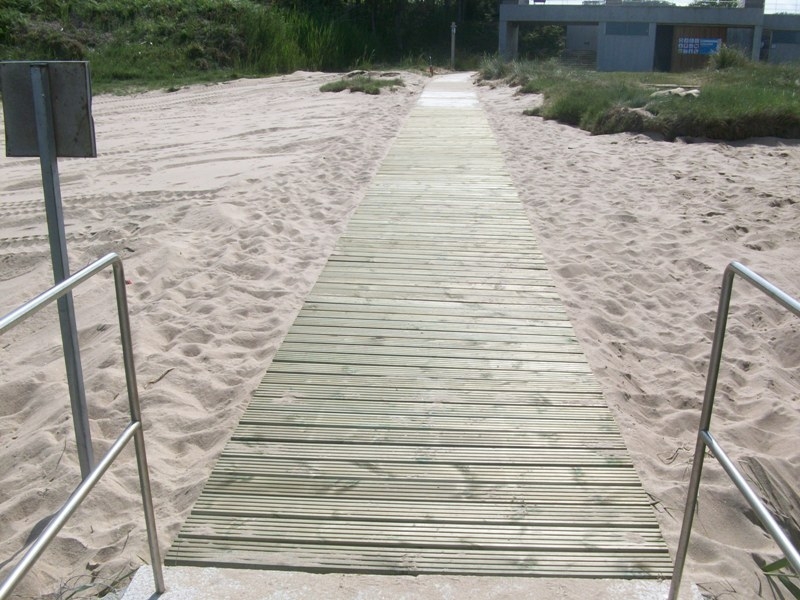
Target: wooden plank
[
  {"x": 439, "y": 248},
  {"x": 299, "y": 507},
  {"x": 432, "y": 260},
  {"x": 436, "y": 424},
  {"x": 455, "y": 373},
  {"x": 550, "y": 329},
  {"x": 277, "y": 404},
  {"x": 478, "y": 289},
  {"x": 430, "y": 354},
  {"x": 440, "y": 281},
  {"x": 560, "y": 398},
  {"x": 390, "y": 561},
  {"x": 507, "y": 297},
  {"x": 438, "y": 312},
  {"x": 475, "y": 536},
  {"x": 486, "y": 308},
  {"x": 431, "y": 383},
  {"x": 415, "y": 358},
  {"x": 338, "y": 412},
  {"x": 532, "y": 336},
  {"x": 451, "y": 455},
  {"x": 532, "y": 341},
  {"x": 408, "y": 492},
  {"x": 613, "y": 476},
  {"x": 327, "y": 342},
  {"x": 485, "y": 438},
  {"x": 531, "y": 277}
]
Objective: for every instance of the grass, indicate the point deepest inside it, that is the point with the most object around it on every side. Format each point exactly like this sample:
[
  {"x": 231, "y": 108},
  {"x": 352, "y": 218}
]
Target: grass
[
  {"x": 133, "y": 44},
  {"x": 738, "y": 99},
  {"x": 138, "y": 44},
  {"x": 362, "y": 83},
  {"x": 781, "y": 571},
  {"x": 93, "y": 586}
]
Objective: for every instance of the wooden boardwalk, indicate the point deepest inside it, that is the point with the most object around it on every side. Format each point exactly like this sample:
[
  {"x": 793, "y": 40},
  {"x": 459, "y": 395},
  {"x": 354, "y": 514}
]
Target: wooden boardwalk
[{"x": 430, "y": 410}]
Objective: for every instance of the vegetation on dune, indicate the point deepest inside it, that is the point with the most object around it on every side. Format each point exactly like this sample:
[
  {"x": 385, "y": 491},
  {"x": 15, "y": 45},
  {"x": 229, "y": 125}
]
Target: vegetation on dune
[
  {"x": 735, "y": 98},
  {"x": 165, "y": 42},
  {"x": 361, "y": 83}
]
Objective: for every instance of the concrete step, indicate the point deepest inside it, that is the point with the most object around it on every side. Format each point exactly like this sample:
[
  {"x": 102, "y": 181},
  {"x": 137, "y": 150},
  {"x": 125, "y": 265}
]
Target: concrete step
[{"x": 209, "y": 583}]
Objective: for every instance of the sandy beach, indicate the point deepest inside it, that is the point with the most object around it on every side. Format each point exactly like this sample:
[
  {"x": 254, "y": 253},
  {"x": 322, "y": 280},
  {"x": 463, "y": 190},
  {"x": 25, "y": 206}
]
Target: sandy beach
[
  {"x": 637, "y": 233},
  {"x": 225, "y": 202}
]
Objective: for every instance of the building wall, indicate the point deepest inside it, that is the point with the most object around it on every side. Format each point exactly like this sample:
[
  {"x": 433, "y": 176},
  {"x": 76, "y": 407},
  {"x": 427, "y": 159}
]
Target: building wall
[
  {"x": 582, "y": 38},
  {"x": 626, "y": 46},
  {"x": 741, "y": 39},
  {"x": 784, "y": 46},
  {"x": 741, "y": 27},
  {"x": 686, "y": 60}
]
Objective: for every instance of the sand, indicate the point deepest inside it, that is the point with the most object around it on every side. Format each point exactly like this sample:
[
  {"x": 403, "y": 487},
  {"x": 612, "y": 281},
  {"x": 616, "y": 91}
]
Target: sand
[
  {"x": 637, "y": 233},
  {"x": 225, "y": 202}
]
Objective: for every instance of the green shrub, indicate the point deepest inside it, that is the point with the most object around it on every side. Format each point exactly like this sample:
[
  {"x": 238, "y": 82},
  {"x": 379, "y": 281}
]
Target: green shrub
[
  {"x": 337, "y": 86},
  {"x": 11, "y": 23},
  {"x": 728, "y": 57},
  {"x": 493, "y": 67},
  {"x": 539, "y": 41},
  {"x": 589, "y": 100},
  {"x": 50, "y": 41},
  {"x": 361, "y": 83}
]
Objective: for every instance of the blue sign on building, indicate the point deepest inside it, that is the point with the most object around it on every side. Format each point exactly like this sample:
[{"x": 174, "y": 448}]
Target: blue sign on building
[
  {"x": 709, "y": 46},
  {"x": 699, "y": 45}
]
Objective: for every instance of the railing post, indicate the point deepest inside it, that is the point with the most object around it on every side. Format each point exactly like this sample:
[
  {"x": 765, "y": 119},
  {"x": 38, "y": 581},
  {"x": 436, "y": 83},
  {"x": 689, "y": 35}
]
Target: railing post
[
  {"x": 705, "y": 422},
  {"x": 136, "y": 416}
]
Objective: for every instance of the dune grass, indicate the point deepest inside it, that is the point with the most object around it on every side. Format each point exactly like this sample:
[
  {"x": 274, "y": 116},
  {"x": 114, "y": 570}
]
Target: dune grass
[
  {"x": 738, "y": 99},
  {"x": 362, "y": 83}
]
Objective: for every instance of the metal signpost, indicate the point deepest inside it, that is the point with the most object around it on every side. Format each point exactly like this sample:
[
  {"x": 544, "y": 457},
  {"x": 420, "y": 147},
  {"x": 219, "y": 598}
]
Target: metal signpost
[
  {"x": 453, "y": 46},
  {"x": 47, "y": 113}
]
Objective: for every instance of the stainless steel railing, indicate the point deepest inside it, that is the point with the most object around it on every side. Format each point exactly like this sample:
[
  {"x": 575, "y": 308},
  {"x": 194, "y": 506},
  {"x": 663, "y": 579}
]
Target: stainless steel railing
[
  {"x": 132, "y": 430},
  {"x": 706, "y": 440}
]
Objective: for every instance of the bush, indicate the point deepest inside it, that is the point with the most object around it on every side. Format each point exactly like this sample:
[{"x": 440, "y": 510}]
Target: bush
[
  {"x": 11, "y": 23},
  {"x": 594, "y": 102},
  {"x": 537, "y": 41},
  {"x": 50, "y": 41},
  {"x": 728, "y": 58},
  {"x": 493, "y": 67},
  {"x": 362, "y": 83}
]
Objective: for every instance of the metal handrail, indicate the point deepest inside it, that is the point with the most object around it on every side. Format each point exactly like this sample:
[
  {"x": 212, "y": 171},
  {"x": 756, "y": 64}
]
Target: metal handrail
[
  {"x": 706, "y": 440},
  {"x": 132, "y": 430}
]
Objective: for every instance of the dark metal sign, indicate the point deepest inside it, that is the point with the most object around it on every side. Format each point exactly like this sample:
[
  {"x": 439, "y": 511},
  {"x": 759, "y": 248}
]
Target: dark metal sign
[{"x": 71, "y": 99}]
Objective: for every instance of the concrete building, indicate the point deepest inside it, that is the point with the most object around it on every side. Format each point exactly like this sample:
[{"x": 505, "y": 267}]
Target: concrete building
[{"x": 648, "y": 37}]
